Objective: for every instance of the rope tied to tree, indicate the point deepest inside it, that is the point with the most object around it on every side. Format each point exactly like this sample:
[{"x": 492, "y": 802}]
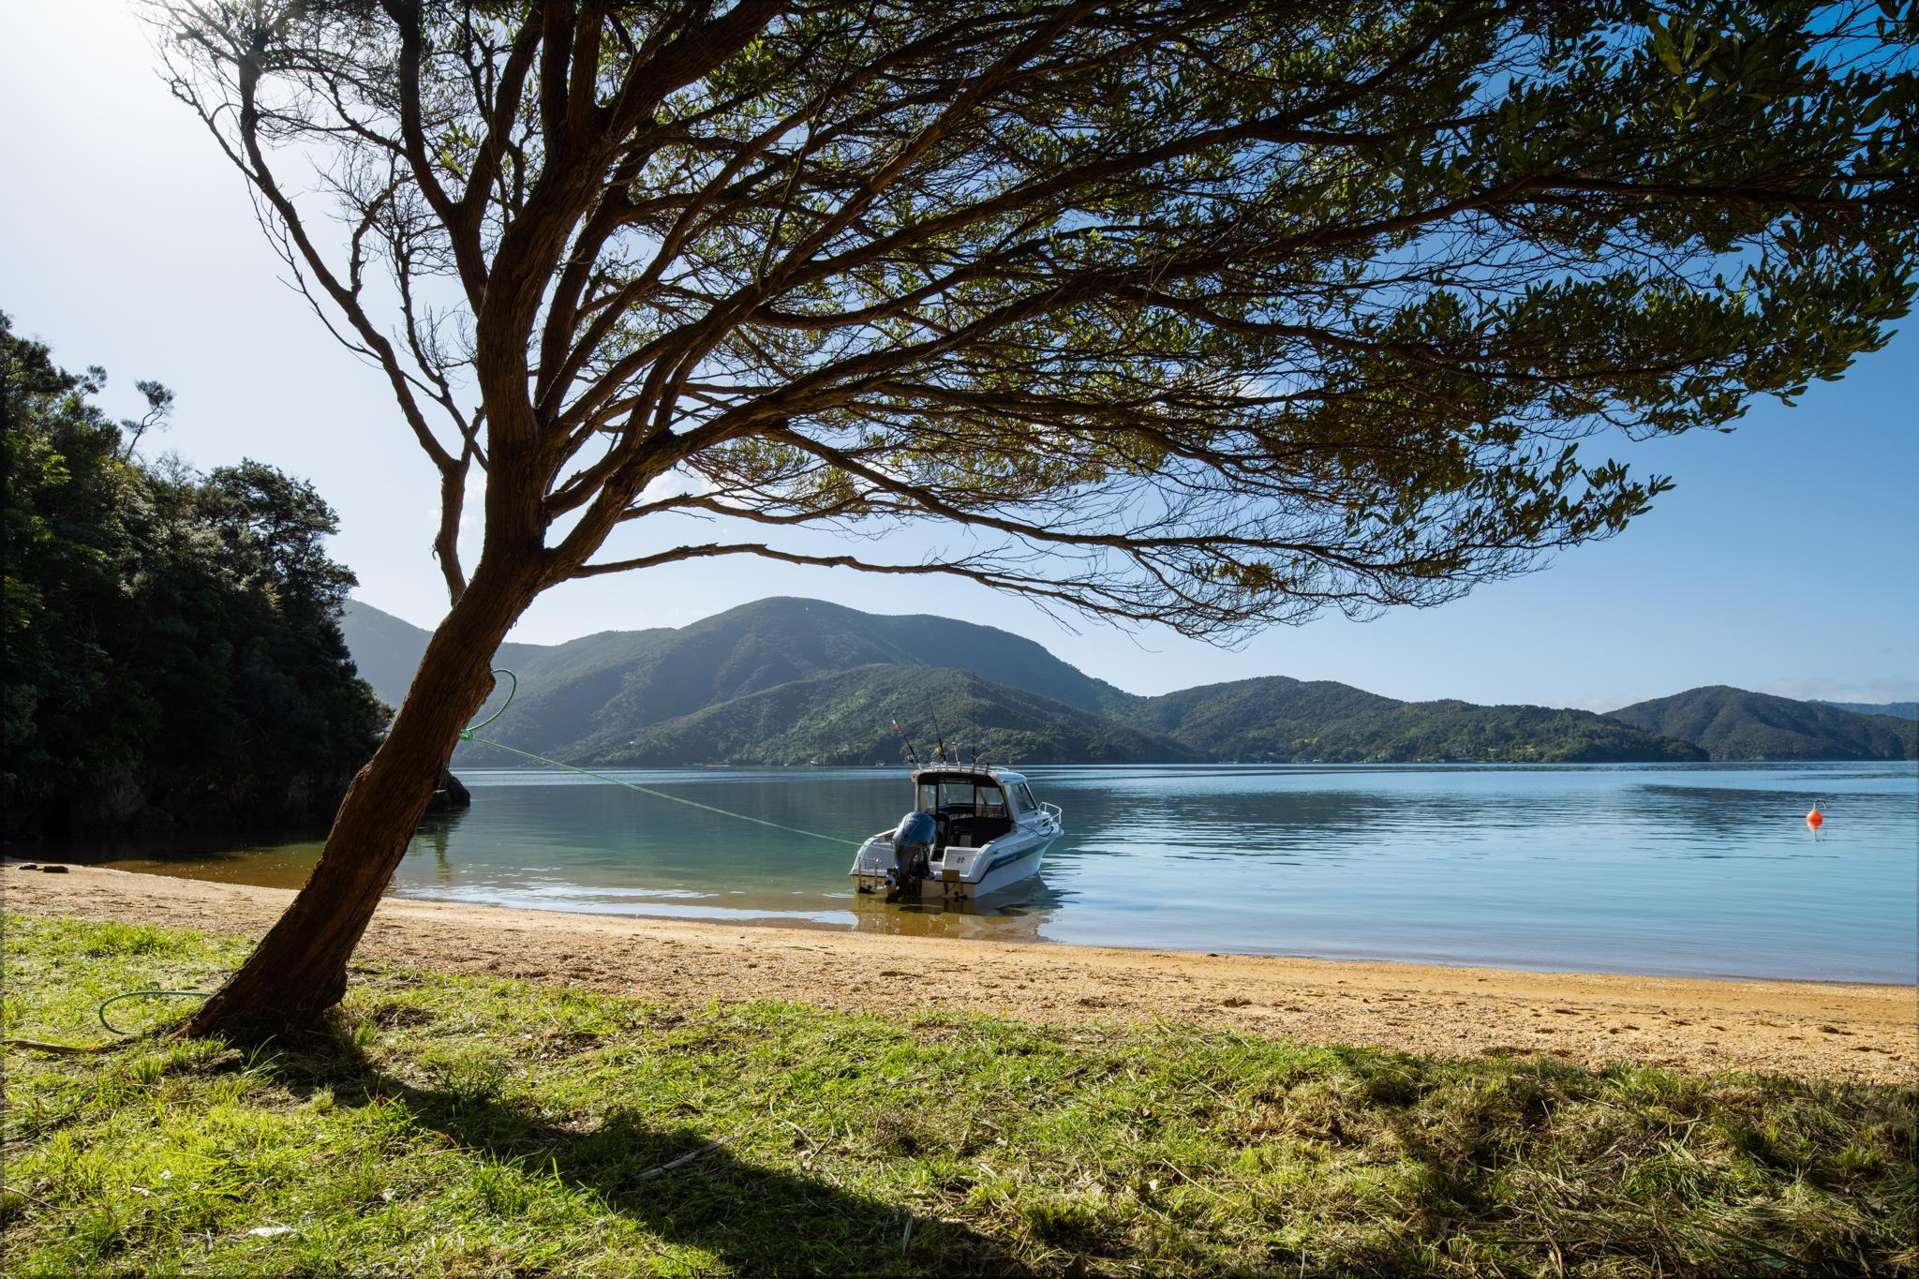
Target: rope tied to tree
[
  {"x": 470, "y": 734},
  {"x": 466, "y": 734}
]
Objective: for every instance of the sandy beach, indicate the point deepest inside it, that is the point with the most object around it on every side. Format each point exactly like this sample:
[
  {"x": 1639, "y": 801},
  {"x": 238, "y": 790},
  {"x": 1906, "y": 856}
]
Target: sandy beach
[{"x": 1812, "y": 1030}]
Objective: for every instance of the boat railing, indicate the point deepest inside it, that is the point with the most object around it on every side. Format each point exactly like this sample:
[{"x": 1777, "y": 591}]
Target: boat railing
[{"x": 1055, "y": 812}]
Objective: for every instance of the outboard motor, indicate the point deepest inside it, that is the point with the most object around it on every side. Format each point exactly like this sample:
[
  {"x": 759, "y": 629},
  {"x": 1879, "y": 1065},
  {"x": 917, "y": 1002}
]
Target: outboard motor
[{"x": 913, "y": 841}]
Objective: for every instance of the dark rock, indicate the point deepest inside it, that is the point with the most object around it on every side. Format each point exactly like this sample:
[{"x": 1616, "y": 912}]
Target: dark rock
[
  {"x": 451, "y": 797},
  {"x": 54, "y": 870},
  {"x": 31, "y": 866}
]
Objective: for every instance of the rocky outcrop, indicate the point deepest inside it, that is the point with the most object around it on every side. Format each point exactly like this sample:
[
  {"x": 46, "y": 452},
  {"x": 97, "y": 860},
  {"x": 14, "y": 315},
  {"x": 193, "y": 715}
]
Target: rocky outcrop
[{"x": 451, "y": 797}]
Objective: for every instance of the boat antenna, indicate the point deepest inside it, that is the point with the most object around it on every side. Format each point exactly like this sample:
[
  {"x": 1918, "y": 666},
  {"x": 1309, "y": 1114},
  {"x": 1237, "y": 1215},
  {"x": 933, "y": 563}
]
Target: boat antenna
[
  {"x": 912, "y": 757},
  {"x": 940, "y": 737}
]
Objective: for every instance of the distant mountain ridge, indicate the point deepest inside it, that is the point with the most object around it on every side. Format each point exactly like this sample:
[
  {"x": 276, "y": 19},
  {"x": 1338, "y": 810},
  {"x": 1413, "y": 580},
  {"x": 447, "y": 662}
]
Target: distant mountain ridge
[
  {"x": 1276, "y": 718},
  {"x": 797, "y": 681},
  {"x": 1896, "y": 710},
  {"x": 1734, "y": 723}
]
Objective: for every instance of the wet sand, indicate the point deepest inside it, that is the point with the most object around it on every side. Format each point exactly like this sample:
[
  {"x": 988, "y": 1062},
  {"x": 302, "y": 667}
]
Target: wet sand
[{"x": 1812, "y": 1030}]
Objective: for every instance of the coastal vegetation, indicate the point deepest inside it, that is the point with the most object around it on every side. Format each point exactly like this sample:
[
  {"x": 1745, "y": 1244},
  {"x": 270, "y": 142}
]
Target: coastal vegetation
[
  {"x": 474, "y": 1125},
  {"x": 173, "y": 655}
]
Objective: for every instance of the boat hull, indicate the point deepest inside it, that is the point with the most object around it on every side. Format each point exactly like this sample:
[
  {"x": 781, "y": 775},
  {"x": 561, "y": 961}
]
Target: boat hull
[{"x": 1000, "y": 866}]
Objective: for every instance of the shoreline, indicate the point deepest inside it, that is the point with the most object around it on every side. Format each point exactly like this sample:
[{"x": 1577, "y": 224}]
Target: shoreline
[
  {"x": 969, "y": 927},
  {"x": 804, "y": 925},
  {"x": 1814, "y": 1029}
]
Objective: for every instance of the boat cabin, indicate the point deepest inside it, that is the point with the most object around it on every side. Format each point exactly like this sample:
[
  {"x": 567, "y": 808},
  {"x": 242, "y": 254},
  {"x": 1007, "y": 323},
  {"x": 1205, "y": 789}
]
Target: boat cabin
[{"x": 973, "y": 806}]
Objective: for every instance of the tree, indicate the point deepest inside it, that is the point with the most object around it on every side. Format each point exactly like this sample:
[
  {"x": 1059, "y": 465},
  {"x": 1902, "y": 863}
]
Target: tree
[
  {"x": 174, "y": 656},
  {"x": 159, "y": 407},
  {"x": 272, "y": 529},
  {"x": 65, "y": 526},
  {"x": 1210, "y": 315}
]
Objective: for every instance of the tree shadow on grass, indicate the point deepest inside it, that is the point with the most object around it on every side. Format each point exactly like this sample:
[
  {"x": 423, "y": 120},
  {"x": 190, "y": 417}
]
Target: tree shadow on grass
[{"x": 754, "y": 1219}]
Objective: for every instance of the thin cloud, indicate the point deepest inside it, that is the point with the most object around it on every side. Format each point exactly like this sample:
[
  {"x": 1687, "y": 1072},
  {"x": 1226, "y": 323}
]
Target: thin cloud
[{"x": 1876, "y": 689}]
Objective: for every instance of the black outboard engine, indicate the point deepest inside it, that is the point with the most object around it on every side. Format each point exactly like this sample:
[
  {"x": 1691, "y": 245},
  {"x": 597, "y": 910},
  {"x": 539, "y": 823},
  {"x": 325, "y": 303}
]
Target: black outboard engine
[{"x": 913, "y": 841}]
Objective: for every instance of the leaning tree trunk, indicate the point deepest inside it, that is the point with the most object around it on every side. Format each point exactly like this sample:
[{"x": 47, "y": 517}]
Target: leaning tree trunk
[{"x": 299, "y": 967}]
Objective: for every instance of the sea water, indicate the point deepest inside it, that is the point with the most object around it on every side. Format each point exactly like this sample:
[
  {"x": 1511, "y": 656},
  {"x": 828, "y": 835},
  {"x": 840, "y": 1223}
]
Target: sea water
[{"x": 1697, "y": 869}]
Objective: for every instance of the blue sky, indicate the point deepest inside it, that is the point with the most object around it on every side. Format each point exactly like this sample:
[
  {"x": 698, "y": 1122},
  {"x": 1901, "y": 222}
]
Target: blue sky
[{"x": 1784, "y": 560}]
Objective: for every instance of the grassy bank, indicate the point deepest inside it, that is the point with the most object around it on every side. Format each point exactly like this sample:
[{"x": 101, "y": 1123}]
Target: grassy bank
[{"x": 463, "y": 1125}]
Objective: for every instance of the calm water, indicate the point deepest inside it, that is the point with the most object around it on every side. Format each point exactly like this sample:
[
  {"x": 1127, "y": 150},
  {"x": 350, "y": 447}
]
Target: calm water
[{"x": 1704, "y": 869}]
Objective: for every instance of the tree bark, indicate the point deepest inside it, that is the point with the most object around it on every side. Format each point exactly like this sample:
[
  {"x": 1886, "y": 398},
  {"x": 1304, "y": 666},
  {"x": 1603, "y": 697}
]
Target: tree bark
[{"x": 299, "y": 967}]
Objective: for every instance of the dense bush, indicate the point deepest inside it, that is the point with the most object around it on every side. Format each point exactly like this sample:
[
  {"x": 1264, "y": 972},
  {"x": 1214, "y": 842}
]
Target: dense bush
[{"x": 173, "y": 650}]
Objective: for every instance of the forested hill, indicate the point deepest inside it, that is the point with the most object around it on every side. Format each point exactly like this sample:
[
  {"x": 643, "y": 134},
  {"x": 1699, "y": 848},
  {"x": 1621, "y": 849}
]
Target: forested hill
[
  {"x": 846, "y": 718},
  {"x": 1732, "y": 723},
  {"x": 173, "y": 655},
  {"x": 785, "y": 681},
  {"x": 601, "y": 686}
]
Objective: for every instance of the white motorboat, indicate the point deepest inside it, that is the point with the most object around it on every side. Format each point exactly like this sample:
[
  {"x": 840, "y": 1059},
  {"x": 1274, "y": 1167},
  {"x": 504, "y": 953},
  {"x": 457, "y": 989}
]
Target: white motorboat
[{"x": 973, "y": 831}]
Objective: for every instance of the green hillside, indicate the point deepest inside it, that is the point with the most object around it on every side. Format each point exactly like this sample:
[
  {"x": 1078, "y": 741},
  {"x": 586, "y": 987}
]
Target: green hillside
[
  {"x": 1513, "y": 734},
  {"x": 607, "y": 685},
  {"x": 846, "y": 718},
  {"x": 1732, "y": 723},
  {"x": 770, "y": 642},
  {"x": 1254, "y": 718},
  {"x": 792, "y": 681},
  {"x": 1287, "y": 719}
]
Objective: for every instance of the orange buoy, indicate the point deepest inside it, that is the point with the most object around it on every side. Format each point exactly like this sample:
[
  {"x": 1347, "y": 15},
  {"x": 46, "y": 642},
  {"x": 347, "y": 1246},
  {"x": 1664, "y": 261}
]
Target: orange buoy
[{"x": 1815, "y": 818}]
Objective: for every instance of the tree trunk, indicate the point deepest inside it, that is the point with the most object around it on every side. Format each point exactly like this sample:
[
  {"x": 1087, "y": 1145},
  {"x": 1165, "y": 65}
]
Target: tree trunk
[{"x": 299, "y": 967}]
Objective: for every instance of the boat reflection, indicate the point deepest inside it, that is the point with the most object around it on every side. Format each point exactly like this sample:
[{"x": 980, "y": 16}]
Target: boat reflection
[{"x": 1016, "y": 916}]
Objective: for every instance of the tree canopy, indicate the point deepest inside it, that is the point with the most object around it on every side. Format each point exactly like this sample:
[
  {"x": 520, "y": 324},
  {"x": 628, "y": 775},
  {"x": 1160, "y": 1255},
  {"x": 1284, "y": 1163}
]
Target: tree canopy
[
  {"x": 1210, "y": 314},
  {"x": 174, "y": 656}
]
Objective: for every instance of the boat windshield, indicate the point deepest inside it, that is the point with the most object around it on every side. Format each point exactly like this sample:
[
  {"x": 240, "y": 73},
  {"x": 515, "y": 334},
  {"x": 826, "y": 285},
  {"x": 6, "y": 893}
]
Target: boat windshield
[{"x": 980, "y": 799}]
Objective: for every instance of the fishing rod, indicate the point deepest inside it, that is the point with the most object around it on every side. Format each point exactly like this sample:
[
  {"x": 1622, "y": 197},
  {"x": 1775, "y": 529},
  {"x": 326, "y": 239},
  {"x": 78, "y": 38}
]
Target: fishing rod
[{"x": 912, "y": 756}]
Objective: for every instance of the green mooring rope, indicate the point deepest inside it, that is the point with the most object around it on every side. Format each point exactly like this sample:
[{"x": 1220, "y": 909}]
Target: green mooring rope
[
  {"x": 471, "y": 735},
  {"x": 100, "y": 1011},
  {"x": 466, "y": 734}
]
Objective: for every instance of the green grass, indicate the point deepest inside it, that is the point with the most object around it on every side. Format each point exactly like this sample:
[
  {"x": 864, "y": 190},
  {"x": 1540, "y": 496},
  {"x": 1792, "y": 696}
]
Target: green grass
[{"x": 464, "y": 1126}]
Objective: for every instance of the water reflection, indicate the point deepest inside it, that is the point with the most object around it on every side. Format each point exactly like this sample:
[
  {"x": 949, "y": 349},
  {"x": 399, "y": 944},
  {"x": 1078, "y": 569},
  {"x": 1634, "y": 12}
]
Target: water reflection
[
  {"x": 1012, "y": 916},
  {"x": 1695, "y": 869},
  {"x": 434, "y": 835}
]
